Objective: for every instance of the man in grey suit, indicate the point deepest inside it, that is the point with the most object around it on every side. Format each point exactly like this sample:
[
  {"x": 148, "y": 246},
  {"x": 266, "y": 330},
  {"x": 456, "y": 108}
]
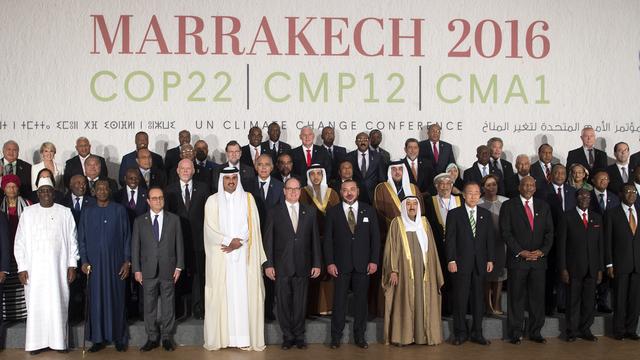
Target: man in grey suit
[{"x": 157, "y": 257}]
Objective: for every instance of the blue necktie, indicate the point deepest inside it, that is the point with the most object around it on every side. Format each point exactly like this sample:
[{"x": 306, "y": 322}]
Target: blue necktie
[
  {"x": 156, "y": 228},
  {"x": 76, "y": 207}
]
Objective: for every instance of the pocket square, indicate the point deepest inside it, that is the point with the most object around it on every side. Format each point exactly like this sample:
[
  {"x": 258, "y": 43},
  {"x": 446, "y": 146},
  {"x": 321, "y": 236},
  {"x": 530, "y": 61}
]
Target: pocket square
[
  {"x": 596, "y": 225},
  {"x": 366, "y": 219}
]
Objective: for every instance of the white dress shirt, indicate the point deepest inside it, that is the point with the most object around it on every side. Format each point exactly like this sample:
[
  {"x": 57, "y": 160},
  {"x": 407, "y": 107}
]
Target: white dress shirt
[
  {"x": 182, "y": 189},
  {"x": 266, "y": 185},
  {"x": 354, "y": 208}
]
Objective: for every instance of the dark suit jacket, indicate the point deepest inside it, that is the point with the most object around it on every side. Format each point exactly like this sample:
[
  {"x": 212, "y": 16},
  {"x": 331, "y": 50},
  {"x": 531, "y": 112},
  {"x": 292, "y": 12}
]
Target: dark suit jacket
[
  {"x": 191, "y": 219},
  {"x": 201, "y": 174},
  {"x": 468, "y": 251},
  {"x": 23, "y": 171},
  {"x": 511, "y": 185},
  {"x": 384, "y": 155},
  {"x": 319, "y": 155},
  {"x": 634, "y": 160},
  {"x": 292, "y": 252},
  {"x": 122, "y": 197},
  {"x": 445, "y": 154},
  {"x": 157, "y": 177},
  {"x": 517, "y": 234},
  {"x": 615, "y": 178},
  {"x": 157, "y": 259},
  {"x": 275, "y": 196},
  {"x": 337, "y": 155},
  {"x": 375, "y": 174},
  {"x": 351, "y": 252},
  {"x": 424, "y": 182},
  {"x": 171, "y": 159},
  {"x": 73, "y": 167},
  {"x": 129, "y": 161},
  {"x": 247, "y": 176},
  {"x": 473, "y": 174},
  {"x": 246, "y": 157},
  {"x": 541, "y": 179},
  {"x": 69, "y": 201},
  {"x": 577, "y": 156},
  {"x": 5, "y": 246},
  {"x": 622, "y": 247},
  {"x": 283, "y": 147},
  {"x": 555, "y": 204},
  {"x": 580, "y": 251},
  {"x": 612, "y": 202}
]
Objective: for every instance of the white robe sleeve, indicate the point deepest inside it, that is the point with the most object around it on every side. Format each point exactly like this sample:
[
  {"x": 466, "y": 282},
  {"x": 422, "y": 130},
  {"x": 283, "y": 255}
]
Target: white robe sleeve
[
  {"x": 71, "y": 239},
  {"x": 20, "y": 245}
]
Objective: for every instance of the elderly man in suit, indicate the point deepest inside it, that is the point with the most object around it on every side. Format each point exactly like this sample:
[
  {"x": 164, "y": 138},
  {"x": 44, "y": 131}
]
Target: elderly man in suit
[
  {"x": 511, "y": 183},
  {"x": 580, "y": 255},
  {"x": 622, "y": 258},
  {"x": 470, "y": 256},
  {"x": 439, "y": 152},
  {"x": 93, "y": 170},
  {"x": 186, "y": 198},
  {"x": 587, "y": 155},
  {"x": 308, "y": 154},
  {"x": 10, "y": 164},
  {"x": 527, "y": 228},
  {"x": 75, "y": 165},
  {"x": 351, "y": 251},
  {"x": 292, "y": 246},
  {"x": 150, "y": 176},
  {"x": 274, "y": 144},
  {"x": 367, "y": 167},
  {"x": 157, "y": 258},
  {"x": 495, "y": 144}
]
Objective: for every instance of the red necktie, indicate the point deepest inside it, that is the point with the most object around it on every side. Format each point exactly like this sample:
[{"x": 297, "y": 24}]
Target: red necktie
[
  {"x": 584, "y": 220},
  {"x": 548, "y": 172},
  {"x": 435, "y": 153},
  {"x": 527, "y": 210},
  {"x": 308, "y": 158}
]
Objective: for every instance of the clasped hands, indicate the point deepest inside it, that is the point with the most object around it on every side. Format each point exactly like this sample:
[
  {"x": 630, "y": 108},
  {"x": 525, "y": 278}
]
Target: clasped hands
[
  {"x": 233, "y": 245},
  {"x": 531, "y": 255}
]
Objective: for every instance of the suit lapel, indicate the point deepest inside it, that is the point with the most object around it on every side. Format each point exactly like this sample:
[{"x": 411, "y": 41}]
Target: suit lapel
[
  {"x": 371, "y": 165},
  {"x": 523, "y": 214}
]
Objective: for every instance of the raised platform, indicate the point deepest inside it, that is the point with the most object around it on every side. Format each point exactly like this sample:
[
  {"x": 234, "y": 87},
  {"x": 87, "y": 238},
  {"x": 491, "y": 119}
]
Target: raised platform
[{"x": 190, "y": 332}]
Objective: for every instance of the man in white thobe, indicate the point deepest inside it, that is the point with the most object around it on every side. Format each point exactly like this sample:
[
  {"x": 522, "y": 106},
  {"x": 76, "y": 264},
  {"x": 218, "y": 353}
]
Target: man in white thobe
[
  {"x": 234, "y": 289},
  {"x": 46, "y": 251}
]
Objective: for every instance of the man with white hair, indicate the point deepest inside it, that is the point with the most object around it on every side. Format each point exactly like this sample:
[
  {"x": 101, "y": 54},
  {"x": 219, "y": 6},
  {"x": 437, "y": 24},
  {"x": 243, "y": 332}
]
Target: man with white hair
[
  {"x": 308, "y": 154},
  {"x": 46, "y": 252},
  {"x": 587, "y": 155},
  {"x": 437, "y": 208},
  {"x": 411, "y": 279},
  {"x": 10, "y": 164},
  {"x": 234, "y": 289}
]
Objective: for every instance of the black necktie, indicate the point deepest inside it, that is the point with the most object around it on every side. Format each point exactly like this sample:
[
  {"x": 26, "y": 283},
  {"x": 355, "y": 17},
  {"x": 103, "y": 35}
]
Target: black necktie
[
  {"x": 262, "y": 193},
  {"x": 363, "y": 166},
  {"x": 591, "y": 161},
  {"x": 187, "y": 196},
  {"x": 156, "y": 228}
]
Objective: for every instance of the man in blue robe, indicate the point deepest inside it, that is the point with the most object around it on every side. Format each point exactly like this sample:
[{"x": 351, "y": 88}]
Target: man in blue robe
[{"x": 104, "y": 239}]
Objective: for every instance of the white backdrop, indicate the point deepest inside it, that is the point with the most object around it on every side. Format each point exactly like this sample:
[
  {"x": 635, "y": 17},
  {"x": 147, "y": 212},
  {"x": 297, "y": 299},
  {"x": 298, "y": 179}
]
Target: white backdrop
[{"x": 51, "y": 50}]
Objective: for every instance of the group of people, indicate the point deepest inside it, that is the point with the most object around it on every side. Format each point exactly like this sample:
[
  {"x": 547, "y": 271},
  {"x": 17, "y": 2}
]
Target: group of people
[{"x": 287, "y": 232}]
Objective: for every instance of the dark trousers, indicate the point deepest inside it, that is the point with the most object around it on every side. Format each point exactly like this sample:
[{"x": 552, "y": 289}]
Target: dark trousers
[
  {"x": 580, "y": 305},
  {"x": 626, "y": 303},
  {"x": 269, "y": 296},
  {"x": 153, "y": 289},
  {"x": 359, "y": 284},
  {"x": 197, "y": 290},
  {"x": 602, "y": 291},
  {"x": 468, "y": 286},
  {"x": 291, "y": 292},
  {"x": 523, "y": 285}
]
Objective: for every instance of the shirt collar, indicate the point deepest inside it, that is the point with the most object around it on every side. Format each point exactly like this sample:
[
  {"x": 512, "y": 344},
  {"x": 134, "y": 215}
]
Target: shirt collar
[
  {"x": 190, "y": 182},
  {"x": 580, "y": 211},
  {"x": 160, "y": 214}
]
